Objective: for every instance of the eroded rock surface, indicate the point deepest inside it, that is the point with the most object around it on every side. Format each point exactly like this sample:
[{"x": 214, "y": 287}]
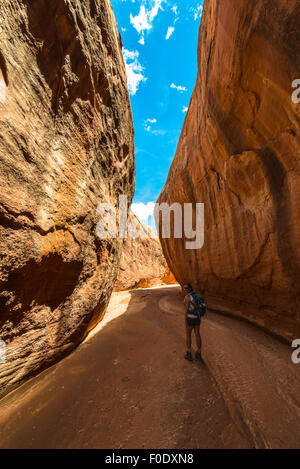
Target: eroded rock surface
[
  {"x": 66, "y": 145},
  {"x": 239, "y": 153},
  {"x": 142, "y": 262}
]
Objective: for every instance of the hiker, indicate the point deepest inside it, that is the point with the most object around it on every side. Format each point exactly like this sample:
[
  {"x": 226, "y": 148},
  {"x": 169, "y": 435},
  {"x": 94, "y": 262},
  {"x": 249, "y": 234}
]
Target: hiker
[{"x": 195, "y": 309}]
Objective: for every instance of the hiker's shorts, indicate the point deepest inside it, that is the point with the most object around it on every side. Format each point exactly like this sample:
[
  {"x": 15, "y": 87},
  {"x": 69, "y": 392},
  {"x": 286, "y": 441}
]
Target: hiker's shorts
[{"x": 193, "y": 321}]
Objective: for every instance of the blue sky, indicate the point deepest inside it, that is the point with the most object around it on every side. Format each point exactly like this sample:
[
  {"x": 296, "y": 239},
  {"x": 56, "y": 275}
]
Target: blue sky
[{"x": 160, "y": 50}]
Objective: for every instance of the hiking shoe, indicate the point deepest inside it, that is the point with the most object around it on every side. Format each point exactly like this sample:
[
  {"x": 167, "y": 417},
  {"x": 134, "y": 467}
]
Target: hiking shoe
[
  {"x": 198, "y": 356},
  {"x": 188, "y": 356}
]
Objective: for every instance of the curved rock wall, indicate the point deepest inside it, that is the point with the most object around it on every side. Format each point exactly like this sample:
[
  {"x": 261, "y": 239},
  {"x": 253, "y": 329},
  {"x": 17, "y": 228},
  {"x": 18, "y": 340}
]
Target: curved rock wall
[
  {"x": 66, "y": 144},
  {"x": 239, "y": 153},
  {"x": 142, "y": 262}
]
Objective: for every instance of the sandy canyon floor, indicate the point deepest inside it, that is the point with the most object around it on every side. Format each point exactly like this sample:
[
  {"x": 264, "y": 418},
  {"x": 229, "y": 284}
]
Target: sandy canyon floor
[{"x": 128, "y": 386}]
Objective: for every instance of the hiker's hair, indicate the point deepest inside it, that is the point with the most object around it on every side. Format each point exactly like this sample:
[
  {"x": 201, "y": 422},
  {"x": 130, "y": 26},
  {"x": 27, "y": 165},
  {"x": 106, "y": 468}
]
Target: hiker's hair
[{"x": 188, "y": 286}]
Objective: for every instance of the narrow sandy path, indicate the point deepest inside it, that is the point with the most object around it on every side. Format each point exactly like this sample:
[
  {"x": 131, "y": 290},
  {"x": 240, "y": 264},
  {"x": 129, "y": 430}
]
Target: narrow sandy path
[{"x": 128, "y": 386}]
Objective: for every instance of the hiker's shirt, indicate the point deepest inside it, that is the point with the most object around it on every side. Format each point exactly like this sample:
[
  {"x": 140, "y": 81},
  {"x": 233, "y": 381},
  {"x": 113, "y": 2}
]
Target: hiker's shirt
[{"x": 191, "y": 314}]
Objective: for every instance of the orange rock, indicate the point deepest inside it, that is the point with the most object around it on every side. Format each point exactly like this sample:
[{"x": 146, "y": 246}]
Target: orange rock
[
  {"x": 239, "y": 154},
  {"x": 142, "y": 262},
  {"x": 66, "y": 144}
]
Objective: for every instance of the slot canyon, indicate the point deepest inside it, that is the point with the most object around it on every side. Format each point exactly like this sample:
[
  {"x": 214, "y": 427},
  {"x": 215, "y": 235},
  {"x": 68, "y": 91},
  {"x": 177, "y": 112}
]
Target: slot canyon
[{"x": 94, "y": 328}]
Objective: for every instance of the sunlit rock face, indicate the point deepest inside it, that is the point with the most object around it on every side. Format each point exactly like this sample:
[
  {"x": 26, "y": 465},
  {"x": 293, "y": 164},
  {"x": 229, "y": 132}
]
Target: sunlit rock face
[
  {"x": 239, "y": 153},
  {"x": 66, "y": 145},
  {"x": 142, "y": 262}
]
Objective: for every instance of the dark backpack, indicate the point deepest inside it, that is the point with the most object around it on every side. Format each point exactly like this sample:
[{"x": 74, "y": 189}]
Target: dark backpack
[{"x": 198, "y": 304}]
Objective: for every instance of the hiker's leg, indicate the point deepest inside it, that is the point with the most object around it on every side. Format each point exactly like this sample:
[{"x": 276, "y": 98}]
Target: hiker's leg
[
  {"x": 189, "y": 337},
  {"x": 198, "y": 337}
]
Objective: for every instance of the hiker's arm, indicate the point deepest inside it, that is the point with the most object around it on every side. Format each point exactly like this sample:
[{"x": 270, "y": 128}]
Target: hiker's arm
[{"x": 187, "y": 304}]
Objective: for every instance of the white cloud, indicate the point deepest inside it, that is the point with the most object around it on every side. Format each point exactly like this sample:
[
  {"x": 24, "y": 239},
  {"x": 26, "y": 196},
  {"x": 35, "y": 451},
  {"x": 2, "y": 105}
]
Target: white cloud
[
  {"x": 155, "y": 9},
  {"x": 184, "y": 109},
  {"x": 148, "y": 121},
  {"x": 130, "y": 54},
  {"x": 148, "y": 127},
  {"x": 123, "y": 30},
  {"x": 134, "y": 70},
  {"x": 175, "y": 10},
  {"x": 159, "y": 132},
  {"x": 197, "y": 12},
  {"x": 143, "y": 20},
  {"x": 178, "y": 88},
  {"x": 170, "y": 31}
]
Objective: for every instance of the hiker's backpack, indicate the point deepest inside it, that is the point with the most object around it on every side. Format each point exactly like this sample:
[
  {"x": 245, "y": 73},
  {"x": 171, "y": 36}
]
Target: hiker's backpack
[{"x": 198, "y": 304}]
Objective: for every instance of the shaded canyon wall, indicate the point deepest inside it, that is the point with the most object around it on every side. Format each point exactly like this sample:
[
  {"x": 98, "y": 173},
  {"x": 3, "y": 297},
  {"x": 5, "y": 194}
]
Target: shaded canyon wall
[{"x": 66, "y": 144}]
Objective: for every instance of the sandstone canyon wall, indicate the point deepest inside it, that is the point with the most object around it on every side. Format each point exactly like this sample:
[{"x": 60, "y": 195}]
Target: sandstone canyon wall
[
  {"x": 66, "y": 144},
  {"x": 239, "y": 153},
  {"x": 142, "y": 262}
]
